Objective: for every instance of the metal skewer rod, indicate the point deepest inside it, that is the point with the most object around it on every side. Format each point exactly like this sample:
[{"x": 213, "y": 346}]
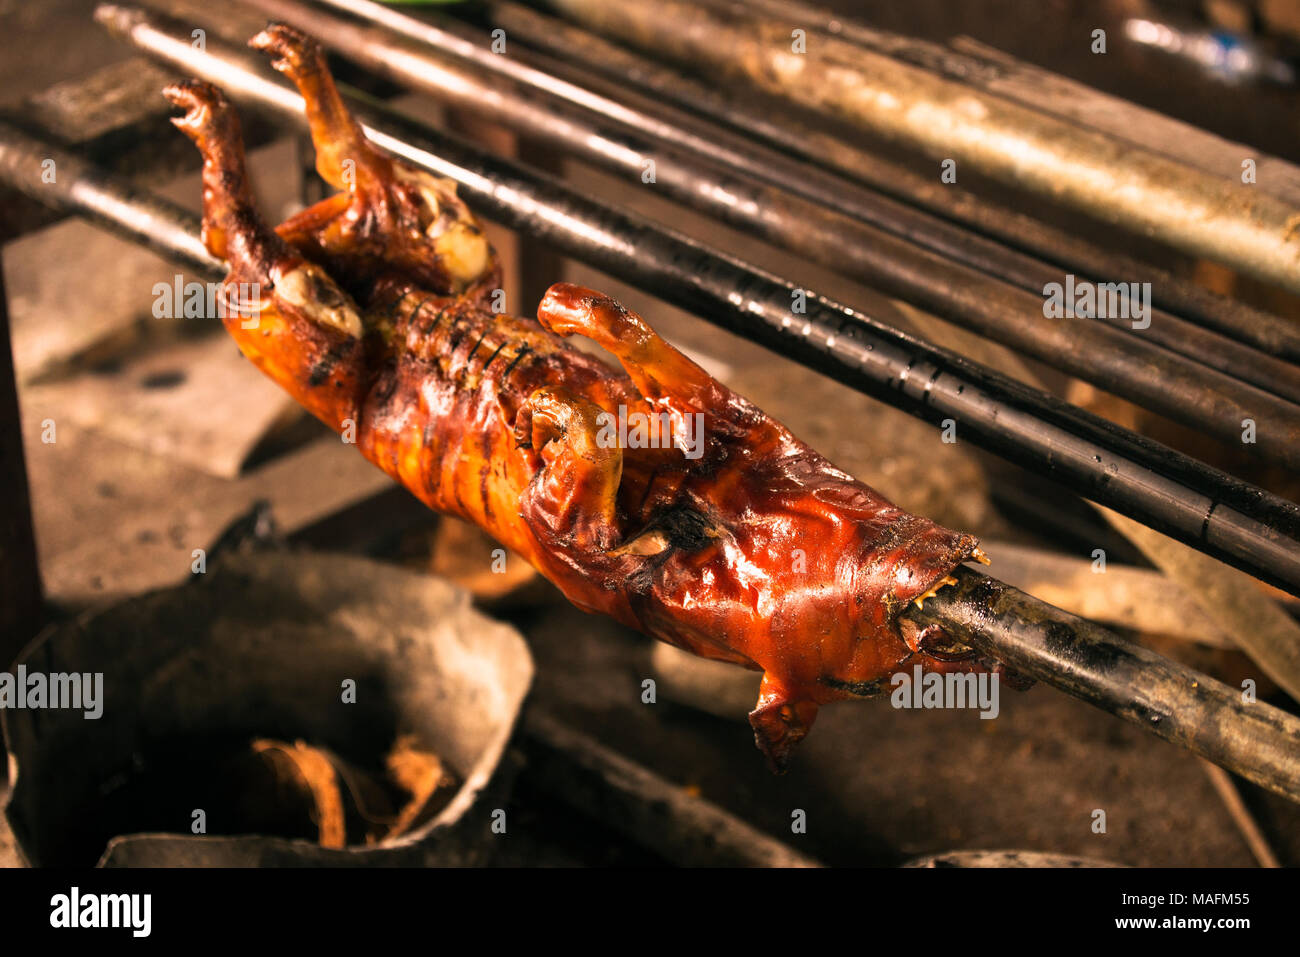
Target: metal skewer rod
[
  {"x": 1257, "y": 741},
  {"x": 1083, "y": 659},
  {"x": 1171, "y": 492},
  {"x": 991, "y": 290},
  {"x": 574, "y": 47}
]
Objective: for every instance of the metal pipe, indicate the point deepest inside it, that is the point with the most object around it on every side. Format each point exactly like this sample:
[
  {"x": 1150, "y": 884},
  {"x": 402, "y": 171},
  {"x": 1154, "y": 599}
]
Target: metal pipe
[
  {"x": 1203, "y": 215},
  {"x": 1169, "y": 491},
  {"x": 966, "y": 60},
  {"x": 809, "y": 211},
  {"x": 112, "y": 202},
  {"x": 1257, "y": 741},
  {"x": 1253, "y": 739},
  {"x": 571, "y": 45}
]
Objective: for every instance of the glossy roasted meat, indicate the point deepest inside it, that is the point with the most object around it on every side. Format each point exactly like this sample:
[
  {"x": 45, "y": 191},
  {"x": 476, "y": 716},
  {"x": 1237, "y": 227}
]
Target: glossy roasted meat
[{"x": 656, "y": 496}]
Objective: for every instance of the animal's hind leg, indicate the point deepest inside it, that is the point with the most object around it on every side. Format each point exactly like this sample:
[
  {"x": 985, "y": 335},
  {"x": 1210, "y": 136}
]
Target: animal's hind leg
[
  {"x": 406, "y": 217},
  {"x": 572, "y": 502},
  {"x": 780, "y": 720},
  {"x": 345, "y": 158}
]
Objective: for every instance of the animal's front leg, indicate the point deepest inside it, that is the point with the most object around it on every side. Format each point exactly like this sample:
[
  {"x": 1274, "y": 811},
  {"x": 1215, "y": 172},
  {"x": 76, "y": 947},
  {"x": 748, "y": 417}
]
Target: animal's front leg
[
  {"x": 780, "y": 721},
  {"x": 571, "y": 503},
  {"x": 659, "y": 371},
  {"x": 232, "y": 229}
]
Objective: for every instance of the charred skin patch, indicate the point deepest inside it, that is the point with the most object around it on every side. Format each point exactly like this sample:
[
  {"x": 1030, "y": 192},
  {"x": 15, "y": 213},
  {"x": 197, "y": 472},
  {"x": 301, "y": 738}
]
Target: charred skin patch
[
  {"x": 679, "y": 529},
  {"x": 325, "y": 365},
  {"x": 514, "y": 362},
  {"x": 687, "y": 529},
  {"x": 859, "y": 689},
  {"x": 485, "y": 474}
]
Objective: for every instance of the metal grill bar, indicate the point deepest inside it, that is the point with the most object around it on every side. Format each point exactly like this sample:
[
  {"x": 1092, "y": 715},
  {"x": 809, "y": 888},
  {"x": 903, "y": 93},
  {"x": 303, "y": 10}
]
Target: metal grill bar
[
  {"x": 572, "y": 45},
  {"x": 1200, "y": 214},
  {"x": 112, "y": 202}
]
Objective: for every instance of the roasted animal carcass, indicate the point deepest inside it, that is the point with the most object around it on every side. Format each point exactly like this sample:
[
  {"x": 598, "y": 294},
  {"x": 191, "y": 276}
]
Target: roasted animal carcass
[{"x": 727, "y": 536}]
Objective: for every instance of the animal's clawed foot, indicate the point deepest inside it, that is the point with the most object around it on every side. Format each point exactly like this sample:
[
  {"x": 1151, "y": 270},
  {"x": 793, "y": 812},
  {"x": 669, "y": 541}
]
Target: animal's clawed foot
[
  {"x": 552, "y": 414},
  {"x": 208, "y": 114},
  {"x": 293, "y": 52}
]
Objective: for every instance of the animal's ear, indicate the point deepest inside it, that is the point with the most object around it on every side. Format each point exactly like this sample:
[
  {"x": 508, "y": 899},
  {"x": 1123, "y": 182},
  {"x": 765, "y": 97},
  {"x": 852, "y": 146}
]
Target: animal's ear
[{"x": 780, "y": 721}]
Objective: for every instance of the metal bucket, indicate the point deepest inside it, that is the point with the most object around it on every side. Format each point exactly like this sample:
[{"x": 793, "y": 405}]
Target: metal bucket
[{"x": 262, "y": 646}]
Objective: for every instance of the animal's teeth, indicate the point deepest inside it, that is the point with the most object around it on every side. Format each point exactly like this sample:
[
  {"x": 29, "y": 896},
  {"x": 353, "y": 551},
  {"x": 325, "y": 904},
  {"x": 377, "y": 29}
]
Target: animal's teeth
[{"x": 934, "y": 590}]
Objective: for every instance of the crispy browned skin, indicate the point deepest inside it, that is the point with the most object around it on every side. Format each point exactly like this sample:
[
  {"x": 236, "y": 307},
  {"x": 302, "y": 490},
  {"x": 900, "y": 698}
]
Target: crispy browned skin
[{"x": 375, "y": 316}]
